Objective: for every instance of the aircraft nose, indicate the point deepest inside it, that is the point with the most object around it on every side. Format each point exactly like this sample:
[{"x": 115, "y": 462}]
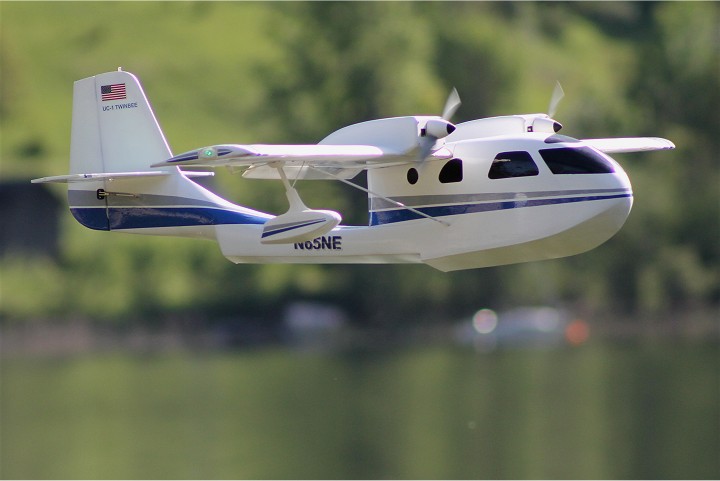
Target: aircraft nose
[
  {"x": 622, "y": 181},
  {"x": 620, "y": 196}
]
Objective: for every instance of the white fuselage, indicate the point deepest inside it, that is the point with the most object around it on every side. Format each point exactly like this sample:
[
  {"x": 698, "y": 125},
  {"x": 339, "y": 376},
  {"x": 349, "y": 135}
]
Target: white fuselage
[
  {"x": 487, "y": 192},
  {"x": 484, "y": 221}
]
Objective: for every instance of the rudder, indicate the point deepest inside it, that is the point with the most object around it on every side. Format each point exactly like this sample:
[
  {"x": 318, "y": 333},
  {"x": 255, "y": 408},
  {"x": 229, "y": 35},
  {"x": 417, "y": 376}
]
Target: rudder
[{"x": 113, "y": 126}]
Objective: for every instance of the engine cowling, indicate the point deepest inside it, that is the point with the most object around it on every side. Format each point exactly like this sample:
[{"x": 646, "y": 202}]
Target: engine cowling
[
  {"x": 437, "y": 128},
  {"x": 545, "y": 124}
]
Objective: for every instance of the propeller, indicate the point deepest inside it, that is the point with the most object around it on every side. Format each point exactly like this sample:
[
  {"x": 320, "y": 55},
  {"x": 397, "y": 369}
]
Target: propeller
[
  {"x": 435, "y": 129},
  {"x": 451, "y": 104},
  {"x": 546, "y": 123},
  {"x": 555, "y": 99}
]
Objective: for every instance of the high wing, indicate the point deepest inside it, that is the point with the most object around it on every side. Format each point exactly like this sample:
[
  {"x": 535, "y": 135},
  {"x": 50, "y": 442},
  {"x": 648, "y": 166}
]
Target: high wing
[
  {"x": 629, "y": 144},
  {"x": 299, "y": 161},
  {"x": 342, "y": 154},
  {"x": 74, "y": 178},
  {"x": 249, "y": 155}
]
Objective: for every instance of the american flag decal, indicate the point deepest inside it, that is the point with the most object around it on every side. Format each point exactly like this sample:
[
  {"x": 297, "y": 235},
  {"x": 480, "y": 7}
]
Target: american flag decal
[{"x": 113, "y": 92}]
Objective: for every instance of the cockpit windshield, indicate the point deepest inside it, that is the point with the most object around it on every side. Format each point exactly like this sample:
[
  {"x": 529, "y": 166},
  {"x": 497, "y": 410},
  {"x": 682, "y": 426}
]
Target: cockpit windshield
[{"x": 583, "y": 160}]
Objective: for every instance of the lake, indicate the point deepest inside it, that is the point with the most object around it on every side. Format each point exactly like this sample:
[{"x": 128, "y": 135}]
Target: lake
[{"x": 602, "y": 410}]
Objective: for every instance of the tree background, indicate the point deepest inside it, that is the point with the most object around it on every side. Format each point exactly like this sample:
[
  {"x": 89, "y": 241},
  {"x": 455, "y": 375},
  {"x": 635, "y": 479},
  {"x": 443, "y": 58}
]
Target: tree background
[{"x": 220, "y": 72}]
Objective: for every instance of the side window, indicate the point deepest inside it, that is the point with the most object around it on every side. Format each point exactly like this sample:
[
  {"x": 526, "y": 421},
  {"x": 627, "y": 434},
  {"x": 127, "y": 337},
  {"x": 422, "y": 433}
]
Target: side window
[
  {"x": 452, "y": 172},
  {"x": 412, "y": 176},
  {"x": 512, "y": 164},
  {"x": 576, "y": 161}
]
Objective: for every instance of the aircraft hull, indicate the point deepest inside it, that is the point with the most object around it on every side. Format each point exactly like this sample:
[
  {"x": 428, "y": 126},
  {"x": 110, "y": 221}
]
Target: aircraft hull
[{"x": 470, "y": 241}]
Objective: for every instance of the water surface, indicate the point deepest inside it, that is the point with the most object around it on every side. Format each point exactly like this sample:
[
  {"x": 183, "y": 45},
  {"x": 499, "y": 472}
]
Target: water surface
[{"x": 599, "y": 411}]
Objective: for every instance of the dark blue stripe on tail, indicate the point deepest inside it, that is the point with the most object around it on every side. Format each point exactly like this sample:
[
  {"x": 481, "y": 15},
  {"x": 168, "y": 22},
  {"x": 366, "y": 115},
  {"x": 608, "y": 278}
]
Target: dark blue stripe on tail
[{"x": 146, "y": 217}]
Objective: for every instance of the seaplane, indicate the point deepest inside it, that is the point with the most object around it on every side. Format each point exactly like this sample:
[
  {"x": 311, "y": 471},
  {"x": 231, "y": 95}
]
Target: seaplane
[{"x": 486, "y": 192}]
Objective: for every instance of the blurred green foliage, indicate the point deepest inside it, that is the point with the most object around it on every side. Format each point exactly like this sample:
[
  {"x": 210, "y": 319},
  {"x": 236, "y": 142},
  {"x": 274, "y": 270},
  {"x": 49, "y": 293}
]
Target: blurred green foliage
[{"x": 294, "y": 72}]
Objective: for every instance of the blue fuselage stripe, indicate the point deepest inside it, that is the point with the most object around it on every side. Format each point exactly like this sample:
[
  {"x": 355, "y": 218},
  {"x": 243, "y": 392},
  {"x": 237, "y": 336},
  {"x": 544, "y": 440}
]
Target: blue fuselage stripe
[
  {"x": 401, "y": 215},
  {"x": 286, "y": 229},
  {"x": 146, "y": 217}
]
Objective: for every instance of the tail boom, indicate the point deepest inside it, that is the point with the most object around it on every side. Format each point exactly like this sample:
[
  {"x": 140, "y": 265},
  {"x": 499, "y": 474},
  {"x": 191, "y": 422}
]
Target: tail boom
[{"x": 115, "y": 139}]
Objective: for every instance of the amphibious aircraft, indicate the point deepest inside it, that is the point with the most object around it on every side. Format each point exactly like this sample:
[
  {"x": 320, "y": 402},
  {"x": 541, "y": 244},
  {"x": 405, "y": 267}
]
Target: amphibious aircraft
[{"x": 486, "y": 192}]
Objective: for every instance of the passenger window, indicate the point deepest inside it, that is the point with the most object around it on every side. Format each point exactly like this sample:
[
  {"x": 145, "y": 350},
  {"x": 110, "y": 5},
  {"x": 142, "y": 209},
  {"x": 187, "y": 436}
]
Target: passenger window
[
  {"x": 512, "y": 164},
  {"x": 583, "y": 160},
  {"x": 452, "y": 172},
  {"x": 412, "y": 176}
]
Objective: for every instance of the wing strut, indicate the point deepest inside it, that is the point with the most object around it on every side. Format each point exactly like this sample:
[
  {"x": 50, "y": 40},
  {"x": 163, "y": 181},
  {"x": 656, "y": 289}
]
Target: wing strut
[{"x": 399, "y": 204}]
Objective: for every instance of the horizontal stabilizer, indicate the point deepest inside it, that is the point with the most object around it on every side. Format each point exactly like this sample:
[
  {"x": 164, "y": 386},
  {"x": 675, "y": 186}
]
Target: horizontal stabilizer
[
  {"x": 73, "y": 178},
  {"x": 629, "y": 144}
]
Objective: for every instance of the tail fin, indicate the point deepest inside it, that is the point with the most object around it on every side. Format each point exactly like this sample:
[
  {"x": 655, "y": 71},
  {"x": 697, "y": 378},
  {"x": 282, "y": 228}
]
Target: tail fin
[
  {"x": 114, "y": 130},
  {"x": 113, "y": 126},
  {"x": 115, "y": 139}
]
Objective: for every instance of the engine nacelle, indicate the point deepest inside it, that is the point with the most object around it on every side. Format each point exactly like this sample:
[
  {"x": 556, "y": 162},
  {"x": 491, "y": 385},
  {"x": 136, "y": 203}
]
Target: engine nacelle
[
  {"x": 505, "y": 125},
  {"x": 437, "y": 128},
  {"x": 545, "y": 124}
]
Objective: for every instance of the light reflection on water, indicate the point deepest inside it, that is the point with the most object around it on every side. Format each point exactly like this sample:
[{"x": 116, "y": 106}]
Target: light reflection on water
[{"x": 599, "y": 411}]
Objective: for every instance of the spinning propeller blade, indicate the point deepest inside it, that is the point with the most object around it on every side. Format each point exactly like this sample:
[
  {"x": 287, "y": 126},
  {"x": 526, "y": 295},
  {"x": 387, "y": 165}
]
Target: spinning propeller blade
[
  {"x": 555, "y": 99},
  {"x": 436, "y": 129},
  {"x": 451, "y": 104}
]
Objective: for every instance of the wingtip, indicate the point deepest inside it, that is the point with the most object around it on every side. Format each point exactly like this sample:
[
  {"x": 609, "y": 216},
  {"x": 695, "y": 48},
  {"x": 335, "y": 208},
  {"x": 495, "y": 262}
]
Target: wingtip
[{"x": 663, "y": 144}]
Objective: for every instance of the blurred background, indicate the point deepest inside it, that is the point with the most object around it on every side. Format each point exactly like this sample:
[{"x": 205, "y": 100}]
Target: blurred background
[{"x": 141, "y": 357}]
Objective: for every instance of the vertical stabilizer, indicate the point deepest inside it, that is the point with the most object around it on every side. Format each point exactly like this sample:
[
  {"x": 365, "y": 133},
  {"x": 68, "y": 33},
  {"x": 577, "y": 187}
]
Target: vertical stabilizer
[
  {"x": 113, "y": 126},
  {"x": 114, "y": 130}
]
